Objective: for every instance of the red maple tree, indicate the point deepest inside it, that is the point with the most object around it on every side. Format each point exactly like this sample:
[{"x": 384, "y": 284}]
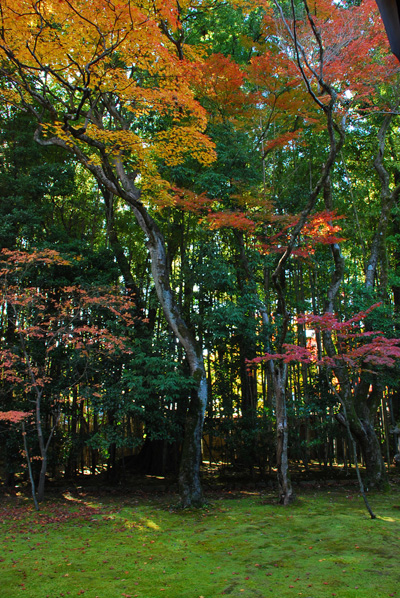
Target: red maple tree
[{"x": 40, "y": 322}]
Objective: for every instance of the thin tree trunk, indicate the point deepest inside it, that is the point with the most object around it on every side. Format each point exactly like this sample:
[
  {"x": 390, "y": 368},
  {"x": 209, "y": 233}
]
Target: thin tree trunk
[
  {"x": 44, "y": 447},
  {"x": 28, "y": 461},
  {"x": 286, "y": 494},
  {"x": 354, "y": 448},
  {"x": 72, "y": 464}
]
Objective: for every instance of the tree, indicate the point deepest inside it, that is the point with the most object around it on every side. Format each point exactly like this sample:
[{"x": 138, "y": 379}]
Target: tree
[
  {"x": 222, "y": 127},
  {"x": 48, "y": 325},
  {"x": 356, "y": 356},
  {"x": 117, "y": 98},
  {"x": 316, "y": 85}
]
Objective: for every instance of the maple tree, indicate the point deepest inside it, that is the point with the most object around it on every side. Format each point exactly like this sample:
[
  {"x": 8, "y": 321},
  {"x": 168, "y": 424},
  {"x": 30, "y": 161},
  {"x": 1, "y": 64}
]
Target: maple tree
[
  {"x": 44, "y": 323},
  {"x": 357, "y": 349},
  {"x": 107, "y": 83},
  {"x": 355, "y": 356},
  {"x": 335, "y": 131},
  {"x": 362, "y": 400},
  {"x": 359, "y": 399},
  {"x": 306, "y": 76}
]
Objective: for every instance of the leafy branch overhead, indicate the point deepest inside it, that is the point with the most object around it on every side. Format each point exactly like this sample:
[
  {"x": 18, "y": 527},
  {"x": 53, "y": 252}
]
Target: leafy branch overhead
[{"x": 357, "y": 348}]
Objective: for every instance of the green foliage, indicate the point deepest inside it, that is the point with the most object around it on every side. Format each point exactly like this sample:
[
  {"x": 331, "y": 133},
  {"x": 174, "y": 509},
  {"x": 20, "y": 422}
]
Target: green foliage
[
  {"x": 33, "y": 183},
  {"x": 226, "y": 29},
  {"x": 157, "y": 389}
]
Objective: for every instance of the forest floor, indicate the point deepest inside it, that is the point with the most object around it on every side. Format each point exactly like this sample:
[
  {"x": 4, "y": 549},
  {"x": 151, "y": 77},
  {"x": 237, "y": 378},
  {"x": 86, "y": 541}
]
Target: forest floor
[{"x": 112, "y": 543}]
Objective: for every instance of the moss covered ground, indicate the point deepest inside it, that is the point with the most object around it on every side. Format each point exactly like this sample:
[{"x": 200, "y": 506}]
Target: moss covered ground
[{"x": 239, "y": 546}]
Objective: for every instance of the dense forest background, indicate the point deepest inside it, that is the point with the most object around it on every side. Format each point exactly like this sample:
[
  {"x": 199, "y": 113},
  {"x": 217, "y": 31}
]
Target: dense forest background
[{"x": 200, "y": 234}]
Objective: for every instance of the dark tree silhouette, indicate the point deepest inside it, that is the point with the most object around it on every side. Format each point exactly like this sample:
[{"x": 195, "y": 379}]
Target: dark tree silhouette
[{"x": 390, "y": 13}]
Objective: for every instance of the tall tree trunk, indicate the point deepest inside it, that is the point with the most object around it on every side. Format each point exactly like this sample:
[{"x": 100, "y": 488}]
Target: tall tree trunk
[
  {"x": 72, "y": 461},
  {"x": 286, "y": 494},
  {"x": 114, "y": 178},
  {"x": 246, "y": 340},
  {"x": 367, "y": 403},
  {"x": 189, "y": 476}
]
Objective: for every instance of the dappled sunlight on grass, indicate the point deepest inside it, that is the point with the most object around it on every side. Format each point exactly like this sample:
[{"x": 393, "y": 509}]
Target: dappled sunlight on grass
[
  {"x": 324, "y": 545},
  {"x": 390, "y": 519},
  {"x": 149, "y": 523},
  {"x": 141, "y": 523}
]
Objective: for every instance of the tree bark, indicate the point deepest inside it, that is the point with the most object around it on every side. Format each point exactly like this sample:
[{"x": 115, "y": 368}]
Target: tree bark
[
  {"x": 286, "y": 494},
  {"x": 366, "y": 407},
  {"x": 189, "y": 476}
]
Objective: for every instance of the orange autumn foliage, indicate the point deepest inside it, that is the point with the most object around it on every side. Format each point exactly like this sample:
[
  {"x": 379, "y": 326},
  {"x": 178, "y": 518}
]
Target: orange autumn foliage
[
  {"x": 354, "y": 55},
  {"x": 220, "y": 82},
  {"x": 318, "y": 230},
  {"x": 191, "y": 202},
  {"x": 102, "y": 71},
  {"x": 14, "y": 417},
  {"x": 231, "y": 219}
]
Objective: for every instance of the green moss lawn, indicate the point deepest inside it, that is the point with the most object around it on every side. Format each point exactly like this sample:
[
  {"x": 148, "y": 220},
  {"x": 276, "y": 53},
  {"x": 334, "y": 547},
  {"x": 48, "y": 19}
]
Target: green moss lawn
[{"x": 246, "y": 546}]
